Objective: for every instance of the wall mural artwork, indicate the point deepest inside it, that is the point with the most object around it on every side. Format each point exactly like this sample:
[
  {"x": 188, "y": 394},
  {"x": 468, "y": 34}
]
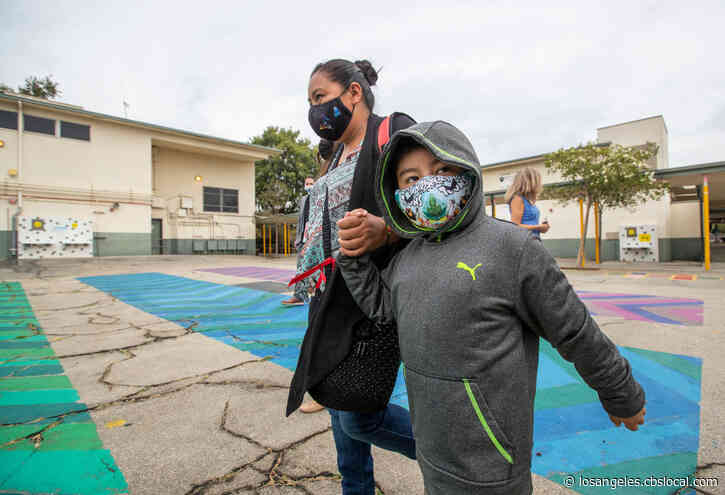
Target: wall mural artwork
[{"x": 54, "y": 237}]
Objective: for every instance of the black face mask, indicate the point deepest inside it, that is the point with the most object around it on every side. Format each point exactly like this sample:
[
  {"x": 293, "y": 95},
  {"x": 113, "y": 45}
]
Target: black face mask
[{"x": 330, "y": 119}]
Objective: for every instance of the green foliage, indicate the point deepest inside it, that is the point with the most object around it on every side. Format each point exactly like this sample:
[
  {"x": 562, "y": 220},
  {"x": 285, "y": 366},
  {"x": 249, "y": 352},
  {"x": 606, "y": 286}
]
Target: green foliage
[
  {"x": 613, "y": 176},
  {"x": 280, "y": 179},
  {"x": 42, "y": 88}
]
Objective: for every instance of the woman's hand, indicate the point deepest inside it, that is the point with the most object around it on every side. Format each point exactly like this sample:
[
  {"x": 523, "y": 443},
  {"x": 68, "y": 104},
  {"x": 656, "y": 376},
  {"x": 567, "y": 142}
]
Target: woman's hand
[
  {"x": 543, "y": 227},
  {"x": 631, "y": 423},
  {"x": 360, "y": 233}
]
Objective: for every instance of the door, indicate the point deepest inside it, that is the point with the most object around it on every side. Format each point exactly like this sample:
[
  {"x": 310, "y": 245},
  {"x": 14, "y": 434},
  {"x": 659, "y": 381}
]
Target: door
[{"x": 156, "y": 236}]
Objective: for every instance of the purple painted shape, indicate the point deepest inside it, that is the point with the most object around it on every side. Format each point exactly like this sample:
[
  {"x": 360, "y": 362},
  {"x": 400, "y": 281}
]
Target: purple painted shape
[
  {"x": 270, "y": 274},
  {"x": 614, "y": 309}
]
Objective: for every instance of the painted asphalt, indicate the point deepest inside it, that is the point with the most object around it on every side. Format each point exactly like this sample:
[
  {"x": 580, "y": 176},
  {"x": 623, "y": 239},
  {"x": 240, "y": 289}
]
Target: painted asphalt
[
  {"x": 572, "y": 433},
  {"x": 48, "y": 443}
]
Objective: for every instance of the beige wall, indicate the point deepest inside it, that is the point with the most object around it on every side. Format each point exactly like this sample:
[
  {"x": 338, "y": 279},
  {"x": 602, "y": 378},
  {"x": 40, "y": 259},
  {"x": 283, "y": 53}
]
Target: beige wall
[
  {"x": 117, "y": 158},
  {"x": 174, "y": 173},
  {"x": 685, "y": 219},
  {"x": 651, "y": 130},
  {"x": 67, "y": 177}
]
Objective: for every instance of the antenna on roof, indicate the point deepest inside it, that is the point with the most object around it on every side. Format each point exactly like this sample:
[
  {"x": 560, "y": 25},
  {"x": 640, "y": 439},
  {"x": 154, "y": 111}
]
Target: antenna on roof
[{"x": 125, "y": 108}]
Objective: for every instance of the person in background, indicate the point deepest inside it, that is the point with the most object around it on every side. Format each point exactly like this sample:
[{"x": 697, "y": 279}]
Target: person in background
[
  {"x": 300, "y": 294},
  {"x": 521, "y": 197}
]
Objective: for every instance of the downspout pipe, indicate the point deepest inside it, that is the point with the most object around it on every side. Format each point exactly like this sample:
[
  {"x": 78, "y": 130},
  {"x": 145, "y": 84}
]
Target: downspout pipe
[
  {"x": 14, "y": 249},
  {"x": 14, "y": 227}
]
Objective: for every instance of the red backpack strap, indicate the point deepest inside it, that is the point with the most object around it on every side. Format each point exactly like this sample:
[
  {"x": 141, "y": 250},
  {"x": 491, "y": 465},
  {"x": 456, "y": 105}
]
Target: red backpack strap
[{"x": 383, "y": 133}]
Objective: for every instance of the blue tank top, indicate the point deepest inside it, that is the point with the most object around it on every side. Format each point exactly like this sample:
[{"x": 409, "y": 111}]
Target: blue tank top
[{"x": 531, "y": 215}]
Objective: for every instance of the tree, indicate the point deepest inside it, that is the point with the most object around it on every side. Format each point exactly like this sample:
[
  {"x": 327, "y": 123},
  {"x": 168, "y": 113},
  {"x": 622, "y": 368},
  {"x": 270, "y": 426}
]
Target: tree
[
  {"x": 42, "y": 88},
  {"x": 612, "y": 176},
  {"x": 5, "y": 87},
  {"x": 280, "y": 179}
]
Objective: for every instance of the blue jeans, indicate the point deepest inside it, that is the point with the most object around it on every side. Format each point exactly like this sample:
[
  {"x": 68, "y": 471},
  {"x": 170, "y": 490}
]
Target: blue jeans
[{"x": 354, "y": 433}]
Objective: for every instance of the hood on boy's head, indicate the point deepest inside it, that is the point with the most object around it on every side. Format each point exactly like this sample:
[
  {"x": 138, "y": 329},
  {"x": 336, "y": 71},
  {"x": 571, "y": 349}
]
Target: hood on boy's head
[{"x": 447, "y": 144}]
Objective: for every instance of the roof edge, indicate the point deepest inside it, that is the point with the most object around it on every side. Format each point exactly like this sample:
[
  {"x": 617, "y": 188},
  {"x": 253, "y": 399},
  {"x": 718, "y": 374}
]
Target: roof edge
[
  {"x": 65, "y": 107},
  {"x": 633, "y": 121},
  {"x": 699, "y": 168},
  {"x": 532, "y": 157}
]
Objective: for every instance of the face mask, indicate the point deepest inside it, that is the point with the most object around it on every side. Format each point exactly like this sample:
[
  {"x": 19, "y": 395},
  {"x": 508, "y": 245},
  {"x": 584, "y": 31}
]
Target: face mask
[
  {"x": 329, "y": 120},
  {"x": 308, "y": 188},
  {"x": 435, "y": 199}
]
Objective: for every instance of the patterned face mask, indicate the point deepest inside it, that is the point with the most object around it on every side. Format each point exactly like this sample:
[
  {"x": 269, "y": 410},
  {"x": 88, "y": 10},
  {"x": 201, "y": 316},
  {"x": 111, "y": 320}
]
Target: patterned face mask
[{"x": 435, "y": 199}]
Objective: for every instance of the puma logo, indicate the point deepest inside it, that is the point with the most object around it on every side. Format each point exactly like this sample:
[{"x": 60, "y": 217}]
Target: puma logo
[{"x": 472, "y": 271}]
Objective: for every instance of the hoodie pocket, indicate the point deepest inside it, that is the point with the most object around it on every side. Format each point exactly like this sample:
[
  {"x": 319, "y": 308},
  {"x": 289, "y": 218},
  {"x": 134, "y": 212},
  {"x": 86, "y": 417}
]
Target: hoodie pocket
[{"x": 455, "y": 430}]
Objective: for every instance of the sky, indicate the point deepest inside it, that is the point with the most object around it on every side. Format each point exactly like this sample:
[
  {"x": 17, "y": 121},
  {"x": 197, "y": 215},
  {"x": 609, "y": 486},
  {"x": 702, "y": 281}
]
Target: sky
[{"x": 519, "y": 81}]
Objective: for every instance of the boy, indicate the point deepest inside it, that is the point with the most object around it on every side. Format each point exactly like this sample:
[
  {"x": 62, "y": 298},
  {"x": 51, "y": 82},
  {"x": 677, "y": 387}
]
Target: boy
[{"x": 471, "y": 296}]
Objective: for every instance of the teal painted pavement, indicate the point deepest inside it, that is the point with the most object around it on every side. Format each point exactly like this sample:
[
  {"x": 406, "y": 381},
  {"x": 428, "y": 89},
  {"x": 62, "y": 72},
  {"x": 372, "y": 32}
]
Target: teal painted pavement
[
  {"x": 48, "y": 443},
  {"x": 572, "y": 435}
]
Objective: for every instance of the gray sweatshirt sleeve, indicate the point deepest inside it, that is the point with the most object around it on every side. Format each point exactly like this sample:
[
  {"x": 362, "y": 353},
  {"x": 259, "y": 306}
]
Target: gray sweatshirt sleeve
[
  {"x": 550, "y": 307},
  {"x": 368, "y": 287}
]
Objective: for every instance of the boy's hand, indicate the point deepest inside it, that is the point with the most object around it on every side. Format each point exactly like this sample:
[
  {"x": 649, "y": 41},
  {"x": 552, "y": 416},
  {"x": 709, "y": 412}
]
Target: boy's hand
[
  {"x": 631, "y": 423},
  {"x": 360, "y": 232}
]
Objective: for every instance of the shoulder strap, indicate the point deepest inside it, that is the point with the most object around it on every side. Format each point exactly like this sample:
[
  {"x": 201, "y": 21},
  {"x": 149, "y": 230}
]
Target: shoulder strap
[{"x": 383, "y": 133}]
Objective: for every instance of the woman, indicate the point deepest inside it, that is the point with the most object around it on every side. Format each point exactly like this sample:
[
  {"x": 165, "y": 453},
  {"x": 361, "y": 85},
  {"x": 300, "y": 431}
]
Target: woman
[
  {"x": 341, "y": 104},
  {"x": 521, "y": 197}
]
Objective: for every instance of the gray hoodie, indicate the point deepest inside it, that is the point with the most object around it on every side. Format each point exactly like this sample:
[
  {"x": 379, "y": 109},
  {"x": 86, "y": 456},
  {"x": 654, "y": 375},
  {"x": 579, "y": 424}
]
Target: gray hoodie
[{"x": 471, "y": 301}]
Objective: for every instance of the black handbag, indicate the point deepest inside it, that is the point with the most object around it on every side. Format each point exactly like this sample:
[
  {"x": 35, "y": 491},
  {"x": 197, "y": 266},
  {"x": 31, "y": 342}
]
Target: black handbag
[{"x": 364, "y": 380}]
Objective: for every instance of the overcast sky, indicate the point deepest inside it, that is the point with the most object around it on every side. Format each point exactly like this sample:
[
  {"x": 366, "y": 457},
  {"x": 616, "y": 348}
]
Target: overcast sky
[{"x": 518, "y": 81}]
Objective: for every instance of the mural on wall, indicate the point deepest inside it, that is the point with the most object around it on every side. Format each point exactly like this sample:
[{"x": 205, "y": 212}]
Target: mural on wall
[
  {"x": 54, "y": 237},
  {"x": 638, "y": 243}
]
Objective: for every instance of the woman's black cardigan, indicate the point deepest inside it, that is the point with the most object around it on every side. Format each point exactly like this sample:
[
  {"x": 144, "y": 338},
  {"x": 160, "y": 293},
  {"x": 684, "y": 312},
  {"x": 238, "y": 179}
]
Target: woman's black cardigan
[{"x": 329, "y": 335}]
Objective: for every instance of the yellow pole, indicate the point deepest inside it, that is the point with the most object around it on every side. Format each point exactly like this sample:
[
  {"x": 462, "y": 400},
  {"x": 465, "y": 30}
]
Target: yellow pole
[
  {"x": 493, "y": 206},
  {"x": 596, "y": 232},
  {"x": 581, "y": 228},
  {"x": 286, "y": 241},
  {"x": 264, "y": 240},
  {"x": 706, "y": 221}
]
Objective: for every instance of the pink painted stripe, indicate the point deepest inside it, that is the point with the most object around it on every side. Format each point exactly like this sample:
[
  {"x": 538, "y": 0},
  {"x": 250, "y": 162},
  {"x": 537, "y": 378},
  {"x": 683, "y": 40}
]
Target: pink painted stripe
[
  {"x": 693, "y": 314},
  {"x": 613, "y": 308}
]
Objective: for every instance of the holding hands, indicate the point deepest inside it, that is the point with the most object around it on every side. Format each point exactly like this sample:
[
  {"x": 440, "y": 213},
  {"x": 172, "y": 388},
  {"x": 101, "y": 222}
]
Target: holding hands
[{"x": 361, "y": 232}]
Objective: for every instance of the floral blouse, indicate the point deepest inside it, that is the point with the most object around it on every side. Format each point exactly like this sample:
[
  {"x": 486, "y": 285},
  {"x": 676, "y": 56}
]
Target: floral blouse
[{"x": 337, "y": 185}]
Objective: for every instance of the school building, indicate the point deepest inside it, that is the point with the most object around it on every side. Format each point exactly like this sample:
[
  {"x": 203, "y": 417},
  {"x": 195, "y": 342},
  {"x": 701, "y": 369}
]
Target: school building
[
  {"x": 674, "y": 224},
  {"x": 80, "y": 183}
]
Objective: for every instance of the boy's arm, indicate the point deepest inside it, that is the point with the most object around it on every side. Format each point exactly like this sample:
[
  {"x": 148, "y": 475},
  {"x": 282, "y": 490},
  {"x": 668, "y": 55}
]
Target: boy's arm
[{"x": 548, "y": 304}]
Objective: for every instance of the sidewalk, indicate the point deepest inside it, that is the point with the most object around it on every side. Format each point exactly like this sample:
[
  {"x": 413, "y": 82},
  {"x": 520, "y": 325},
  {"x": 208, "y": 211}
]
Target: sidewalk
[{"x": 674, "y": 267}]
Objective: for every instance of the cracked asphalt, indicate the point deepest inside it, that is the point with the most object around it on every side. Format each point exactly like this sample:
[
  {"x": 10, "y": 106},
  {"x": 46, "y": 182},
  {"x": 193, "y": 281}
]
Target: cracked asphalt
[{"x": 182, "y": 413}]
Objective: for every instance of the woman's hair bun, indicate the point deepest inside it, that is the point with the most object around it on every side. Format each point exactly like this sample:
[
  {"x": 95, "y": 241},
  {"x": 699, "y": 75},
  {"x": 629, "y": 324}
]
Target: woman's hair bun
[{"x": 371, "y": 75}]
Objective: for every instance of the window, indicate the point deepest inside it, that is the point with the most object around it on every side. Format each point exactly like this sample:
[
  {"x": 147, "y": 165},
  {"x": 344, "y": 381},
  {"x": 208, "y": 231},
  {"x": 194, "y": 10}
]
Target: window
[
  {"x": 8, "y": 120},
  {"x": 39, "y": 124},
  {"x": 223, "y": 200},
  {"x": 75, "y": 131}
]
